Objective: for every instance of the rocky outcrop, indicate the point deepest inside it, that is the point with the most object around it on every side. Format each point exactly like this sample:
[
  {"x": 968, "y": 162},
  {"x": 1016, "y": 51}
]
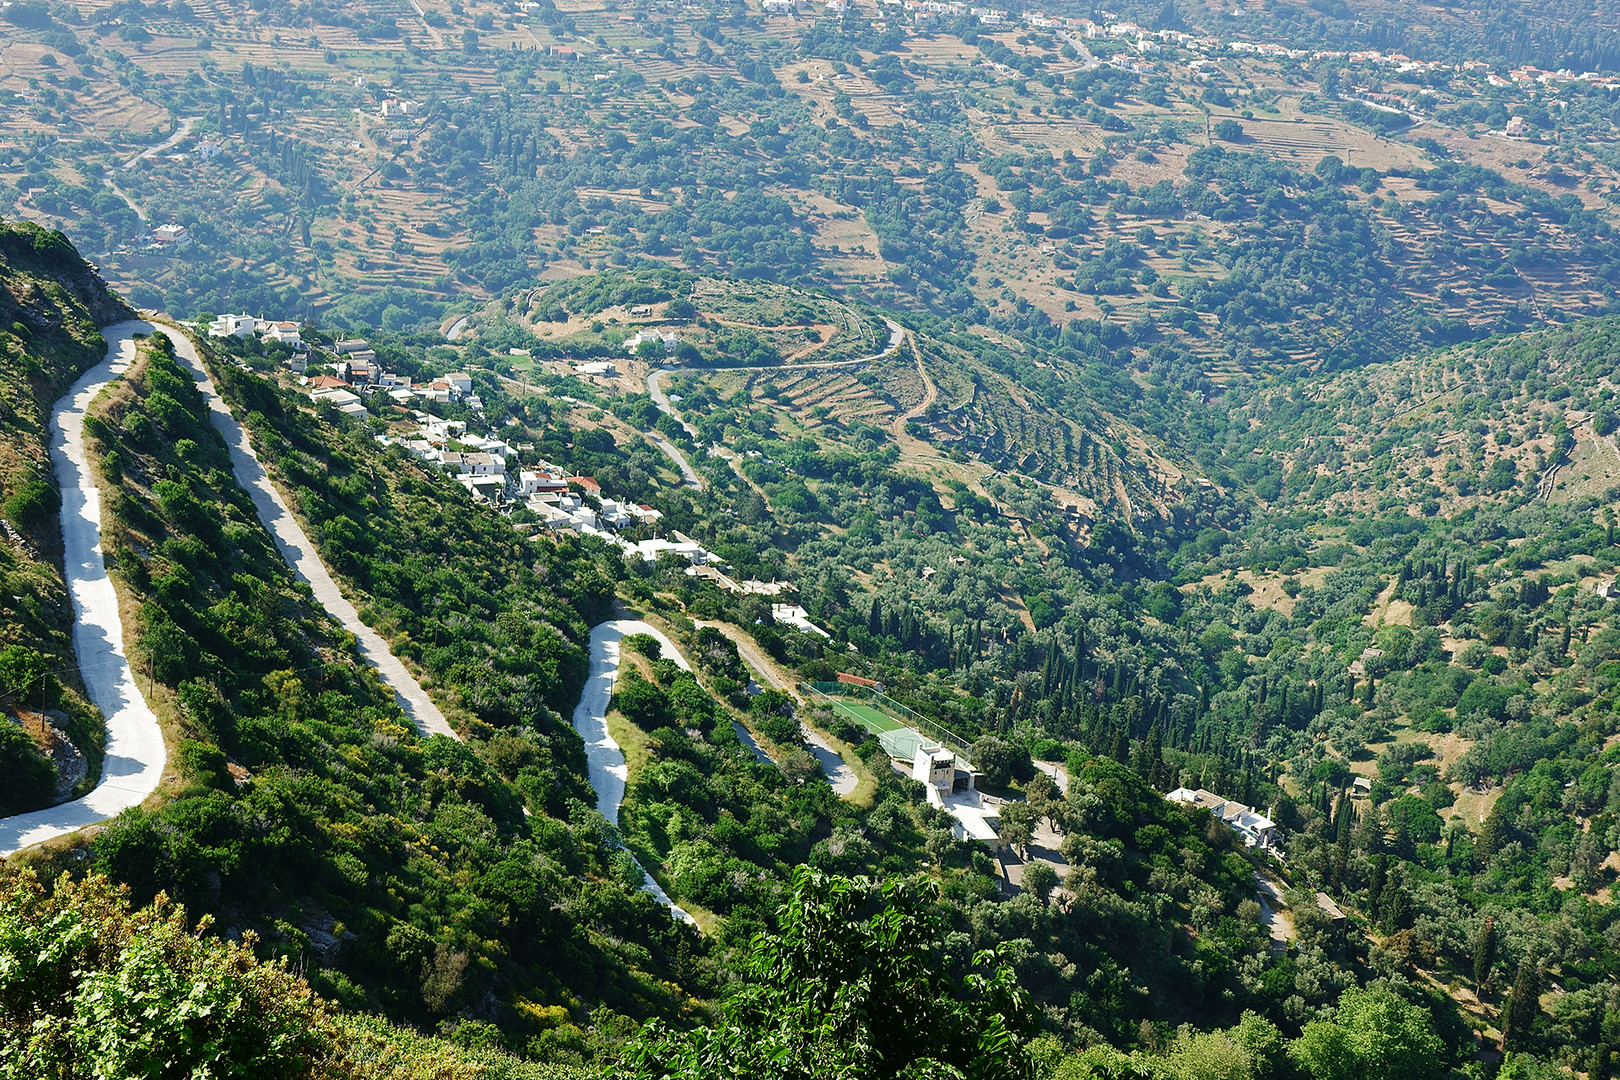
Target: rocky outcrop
[{"x": 72, "y": 767}]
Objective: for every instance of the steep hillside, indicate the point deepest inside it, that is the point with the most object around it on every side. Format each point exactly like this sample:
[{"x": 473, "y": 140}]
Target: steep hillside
[
  {"x": 205, "y": 1003},
  {"x": 1443, "y": 432},
  {"x": 51, "y": 303},
  {"x": 952, "y": 404},
  {"x": 419, "y": 878}
]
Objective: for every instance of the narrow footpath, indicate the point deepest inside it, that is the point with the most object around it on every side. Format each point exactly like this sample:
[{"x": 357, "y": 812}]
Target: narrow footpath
[
  {"x": 300, "y": 555},
  {"x": 607, "y": 769},
  {"x": 135, "y": 757}
]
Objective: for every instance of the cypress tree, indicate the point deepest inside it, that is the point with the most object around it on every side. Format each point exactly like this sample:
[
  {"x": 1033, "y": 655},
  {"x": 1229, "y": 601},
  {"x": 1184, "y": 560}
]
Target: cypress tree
[
  {"x": 1375, "y": 887},
  {"x": 1484, "y": 955},
  {"x": 1524, "y": 1004},
  {"x": 1496, "y": 829},
  {"x": 1395, "y": 908}
]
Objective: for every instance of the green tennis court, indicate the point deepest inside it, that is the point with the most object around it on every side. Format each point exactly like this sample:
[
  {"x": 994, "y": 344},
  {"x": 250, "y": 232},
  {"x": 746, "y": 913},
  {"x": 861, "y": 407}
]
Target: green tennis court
[{"x": 867, "y": 715}]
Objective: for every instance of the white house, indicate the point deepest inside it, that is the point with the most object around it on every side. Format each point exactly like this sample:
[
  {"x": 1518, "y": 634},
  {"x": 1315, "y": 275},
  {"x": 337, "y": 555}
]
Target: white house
[
  {"x": 460, "y": 382},
  {"x": 536, "y": 481},
  {"x": 489, "y": 488},
  {"x": 171, "y": 236},
  {"x": 934, "y": 766},
  {"x": 600, "y": 368},
  {"x": 690, "y": 550},
  {"x": 477, "y": 463},
  {"x": 284, "y": 332},
  {"x": 949, "y": 786},
  {"x": 797, "y": 617},
  {"x": 342, "y": 400},
  {"x": 242, "y": 326},
  {"x": 1256, "y": 829},
  {"x": 663, "y": 337}
]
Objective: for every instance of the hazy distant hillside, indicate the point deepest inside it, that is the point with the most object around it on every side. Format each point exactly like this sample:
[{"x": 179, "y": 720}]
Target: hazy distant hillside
[
  {"x": 1554, "y": 34},
  {"x": 1230, "y": 215}
]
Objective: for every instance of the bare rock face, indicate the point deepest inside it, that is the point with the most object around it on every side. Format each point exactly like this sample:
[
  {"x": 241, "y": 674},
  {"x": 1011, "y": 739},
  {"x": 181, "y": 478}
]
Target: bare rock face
[{"x": 72, "y": 767}]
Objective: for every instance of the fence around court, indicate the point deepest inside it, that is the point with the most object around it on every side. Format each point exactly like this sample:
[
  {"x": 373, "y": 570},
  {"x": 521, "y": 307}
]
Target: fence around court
[{"x": 902, "y": 743}]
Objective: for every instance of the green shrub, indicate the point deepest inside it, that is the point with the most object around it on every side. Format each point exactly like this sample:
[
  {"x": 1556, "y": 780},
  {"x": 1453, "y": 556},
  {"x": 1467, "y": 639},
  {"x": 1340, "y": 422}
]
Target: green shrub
[
  {"x": 32, "y": 506},
  {"x": 27, "y": 779},
  {"x": 25, "y": 677}
]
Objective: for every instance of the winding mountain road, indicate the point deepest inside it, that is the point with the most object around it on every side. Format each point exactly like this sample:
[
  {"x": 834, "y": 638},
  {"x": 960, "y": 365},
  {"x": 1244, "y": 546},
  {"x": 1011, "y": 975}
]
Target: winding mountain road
[
  {"x": 839, "y": 774},
  {"x": 300, "y": 555},
  {"x": 605, "y": 762},
  {"x": 181, "y": 131},
  {"x": 897, "y": 337},
  {"x": 689, "y": 476},
  {"x": 136, "y": 755}
]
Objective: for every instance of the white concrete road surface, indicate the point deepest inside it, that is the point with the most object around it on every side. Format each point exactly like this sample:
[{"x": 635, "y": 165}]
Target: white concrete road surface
[
  {"x": 689, "y": 476},
  {"x": 181, "y": 130},
  {"x": 135, "y": 757},
  {"x": 296, "y": 549},
  {"x": 608, "y": 772},
  {"x": 839, "y": 774}
]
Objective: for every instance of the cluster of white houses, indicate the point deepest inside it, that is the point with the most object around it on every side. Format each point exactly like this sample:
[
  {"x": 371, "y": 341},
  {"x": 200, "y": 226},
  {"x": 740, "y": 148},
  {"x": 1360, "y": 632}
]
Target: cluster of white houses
[
  {"x": 354, "y": 368},
  {"x": 245, "y": 326}
]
